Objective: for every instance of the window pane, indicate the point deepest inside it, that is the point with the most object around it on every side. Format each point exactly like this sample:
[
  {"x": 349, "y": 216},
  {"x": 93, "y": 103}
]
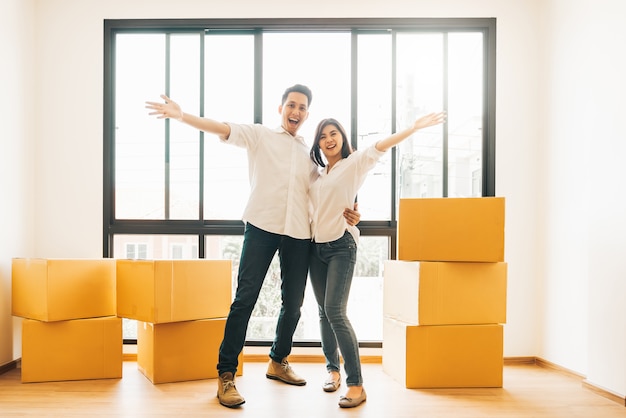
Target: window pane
[
  {"x": 465, "y": 114},
  {"x": 374, "y": 122},
  {"x": 262, "y": 325},
  {"x": 229, "y": 97},
  {"x": 184, "y": 158},
  {"x": 420, "y": 91},
  {"x": 365, "y": 305},
  {"x": 155, "y": 247},
  {"x": 319, "y": 60},
  {"x": 139, "y": 138},
  {"x": 263, "y": 320}
]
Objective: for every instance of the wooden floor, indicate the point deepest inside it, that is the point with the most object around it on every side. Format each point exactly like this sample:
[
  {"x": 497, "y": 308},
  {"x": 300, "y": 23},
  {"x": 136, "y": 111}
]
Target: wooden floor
[{"x": 529, "y": 391}]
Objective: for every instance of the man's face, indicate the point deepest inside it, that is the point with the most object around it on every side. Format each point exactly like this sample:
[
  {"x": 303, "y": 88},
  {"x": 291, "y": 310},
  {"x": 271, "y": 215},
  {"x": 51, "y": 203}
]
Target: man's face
[{"x": 294, "y": 112}]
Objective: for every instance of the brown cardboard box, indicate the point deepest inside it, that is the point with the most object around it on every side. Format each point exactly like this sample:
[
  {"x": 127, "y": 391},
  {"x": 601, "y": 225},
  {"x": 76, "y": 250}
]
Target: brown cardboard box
[
  {"x": 71, "y": 350},
  {"x": 451, "y": 229},
  {"x": 180, "y": 351},
  {"x": 443, "y": 356},
  {"x": 161, "y": 291},
  {"x": 63, "y": 289},
  {"x": 444, "y": 293}
]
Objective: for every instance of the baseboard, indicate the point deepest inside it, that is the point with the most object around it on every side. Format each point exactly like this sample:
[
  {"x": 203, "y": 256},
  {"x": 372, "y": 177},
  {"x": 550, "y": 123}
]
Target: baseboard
[
  {"x": 511, "y": 361},
  {"x": 549, "y": 365},
  {"x": 319, "y": 358},
  {"x": 305, "y": 358},
  {"x": 605, "y": 393},
  {"x": 9, "y": 366}
]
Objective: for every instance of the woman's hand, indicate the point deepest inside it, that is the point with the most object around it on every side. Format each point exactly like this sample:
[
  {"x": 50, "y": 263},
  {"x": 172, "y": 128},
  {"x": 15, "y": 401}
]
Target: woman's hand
[{"x": 431, "y": 119}]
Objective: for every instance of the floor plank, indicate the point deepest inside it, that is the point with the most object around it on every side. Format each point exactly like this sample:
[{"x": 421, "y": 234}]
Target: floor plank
[{"x": 529, "y": 391}]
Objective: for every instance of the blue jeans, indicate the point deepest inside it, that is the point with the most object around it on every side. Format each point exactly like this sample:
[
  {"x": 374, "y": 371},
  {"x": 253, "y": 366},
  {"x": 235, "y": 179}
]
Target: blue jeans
[
  {"x": 331, "y": 268},
  {"x": 258, "y": 249}
]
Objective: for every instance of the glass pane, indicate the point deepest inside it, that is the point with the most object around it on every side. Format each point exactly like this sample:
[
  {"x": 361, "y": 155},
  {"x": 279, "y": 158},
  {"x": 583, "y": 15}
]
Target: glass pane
[
  {"x": 465, "y": 114},
  {"x": 262, "y": 323},
  {"x": 365, "y": 305},
  {"x": 263, "y": 320},
  {"x": 152, "y": 247},
  {"x": 229, "y": 97},
  {"x": 155, "y": 247},
  {"x": 374, "y": 122},
  {"x": 139, "y": 138},
  {"x": 184, "y": 158},
  {"x": 420, "y": 91},
  {"x": 319, "y": 60}
]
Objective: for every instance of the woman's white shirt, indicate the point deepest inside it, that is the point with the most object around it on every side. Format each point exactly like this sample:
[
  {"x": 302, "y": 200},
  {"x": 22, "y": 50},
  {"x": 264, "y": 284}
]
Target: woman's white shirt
[{"x": 332, "y": 192}]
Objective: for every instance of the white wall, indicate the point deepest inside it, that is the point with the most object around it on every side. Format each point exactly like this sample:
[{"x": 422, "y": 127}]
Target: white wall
[
  {"x": 563, "y": 288},
  {"x": 583, "y": 241},
  {"x": 17, "y": 168},
  {"x": 70, "y": 136},
  {"x": 69, "y": 119}
]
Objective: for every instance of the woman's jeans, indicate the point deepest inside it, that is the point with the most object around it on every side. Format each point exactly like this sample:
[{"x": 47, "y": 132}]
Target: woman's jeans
[
  {"x": 331, "y": 268},
  {"x": 258, "y": 249}
]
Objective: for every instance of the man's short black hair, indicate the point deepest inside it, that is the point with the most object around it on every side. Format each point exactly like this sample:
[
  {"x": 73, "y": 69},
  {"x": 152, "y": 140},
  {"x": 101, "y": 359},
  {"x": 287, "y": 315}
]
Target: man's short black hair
[{"x": 298, "y": 88}]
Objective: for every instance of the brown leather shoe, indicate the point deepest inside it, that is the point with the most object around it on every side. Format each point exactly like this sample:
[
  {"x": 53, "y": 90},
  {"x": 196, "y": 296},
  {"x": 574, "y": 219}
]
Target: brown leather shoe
[
  {"x": 227, "y": 392},
  {"x": 331, "y": 384},
  {"x": 352, "y": 402},
  {"x": 282, "y": 371}
]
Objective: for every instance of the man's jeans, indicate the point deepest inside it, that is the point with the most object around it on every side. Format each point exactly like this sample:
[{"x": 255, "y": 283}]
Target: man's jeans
[{"x": 257, "y": 252}]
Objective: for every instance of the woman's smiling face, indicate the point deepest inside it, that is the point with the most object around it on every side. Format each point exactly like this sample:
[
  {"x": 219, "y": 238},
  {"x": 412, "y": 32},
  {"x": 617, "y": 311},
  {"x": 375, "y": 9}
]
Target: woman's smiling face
[{"x": 331, "y": 143}]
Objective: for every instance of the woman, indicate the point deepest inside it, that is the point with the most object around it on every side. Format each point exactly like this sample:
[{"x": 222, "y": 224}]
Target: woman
[{"x": 333, "y": 252}]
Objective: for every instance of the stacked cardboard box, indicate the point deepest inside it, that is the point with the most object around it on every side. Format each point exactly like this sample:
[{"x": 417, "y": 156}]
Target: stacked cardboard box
[
  {"x": 181, "y": 308},
  {"x": 444, "y": 299},
  {"x": 70, "y": 330}
]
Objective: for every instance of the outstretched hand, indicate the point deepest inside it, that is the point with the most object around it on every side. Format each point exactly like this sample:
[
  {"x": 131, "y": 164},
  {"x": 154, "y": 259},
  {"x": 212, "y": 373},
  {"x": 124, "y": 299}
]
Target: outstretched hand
[
  {"x": 431, "y": 119},
  {"x": 169, "y": 109}
]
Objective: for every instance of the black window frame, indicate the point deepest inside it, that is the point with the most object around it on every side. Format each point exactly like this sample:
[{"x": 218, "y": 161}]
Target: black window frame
[{"x": 202, "y": 227}]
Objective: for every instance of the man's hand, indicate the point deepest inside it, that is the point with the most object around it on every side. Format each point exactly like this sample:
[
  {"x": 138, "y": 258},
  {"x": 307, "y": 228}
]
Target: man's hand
[
  {"x": 168, "y": 109},
  {"x": 353, "y": 216}
]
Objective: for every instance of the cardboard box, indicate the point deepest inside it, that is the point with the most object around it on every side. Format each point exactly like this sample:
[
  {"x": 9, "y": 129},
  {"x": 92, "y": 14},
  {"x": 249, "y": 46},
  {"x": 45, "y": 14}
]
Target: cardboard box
[
  {"x": 78, "y": 349},
  {"x": 161, "y": 291},
  {"x": 451, "y": 229},
  {"x": 443, "y": 356},
  {"x": 63, "y": 289},
  {"x": 444, "y": 293},
  {"x": 180, "y": 351}
]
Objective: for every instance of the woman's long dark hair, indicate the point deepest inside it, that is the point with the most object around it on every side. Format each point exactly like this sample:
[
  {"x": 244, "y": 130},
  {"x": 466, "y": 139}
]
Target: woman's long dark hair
[{"x": 316, "y": 154}]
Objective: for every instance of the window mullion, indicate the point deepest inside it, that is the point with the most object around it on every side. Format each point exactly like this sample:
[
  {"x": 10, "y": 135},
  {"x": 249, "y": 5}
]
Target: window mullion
[
  {"x": 394, "y": 152},
  {"x": 166, "y": 178},
  {"x": 201, "y": 248},
  {"x": 444, "y": 148}
]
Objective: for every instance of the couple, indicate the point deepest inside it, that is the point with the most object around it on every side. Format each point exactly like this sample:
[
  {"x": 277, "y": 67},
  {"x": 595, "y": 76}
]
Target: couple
[{"x": 300, "y": 204}]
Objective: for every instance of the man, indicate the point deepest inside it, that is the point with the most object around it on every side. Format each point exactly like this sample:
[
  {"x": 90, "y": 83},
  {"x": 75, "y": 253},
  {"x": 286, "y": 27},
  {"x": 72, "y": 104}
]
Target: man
[{"x": 276, "y": 218}]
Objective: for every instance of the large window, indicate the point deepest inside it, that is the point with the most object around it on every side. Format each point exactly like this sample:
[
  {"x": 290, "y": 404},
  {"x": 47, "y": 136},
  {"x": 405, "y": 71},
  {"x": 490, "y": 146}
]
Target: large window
[{"x": 173, "y": 192}]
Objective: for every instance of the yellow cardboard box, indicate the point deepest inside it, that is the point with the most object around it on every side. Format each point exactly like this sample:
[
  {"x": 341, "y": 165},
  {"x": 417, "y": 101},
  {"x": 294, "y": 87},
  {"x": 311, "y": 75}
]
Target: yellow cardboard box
[
  {"x": 161, "y": 291},
  {"x": 63, "y": 289},
  {"x": 443, "y": 356},
  {"x": 180, "y": 351},
  {"x": 78, "y": 349},
  {"x": 444, "y": 293},
  {"x": 451, "y": 229}
]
